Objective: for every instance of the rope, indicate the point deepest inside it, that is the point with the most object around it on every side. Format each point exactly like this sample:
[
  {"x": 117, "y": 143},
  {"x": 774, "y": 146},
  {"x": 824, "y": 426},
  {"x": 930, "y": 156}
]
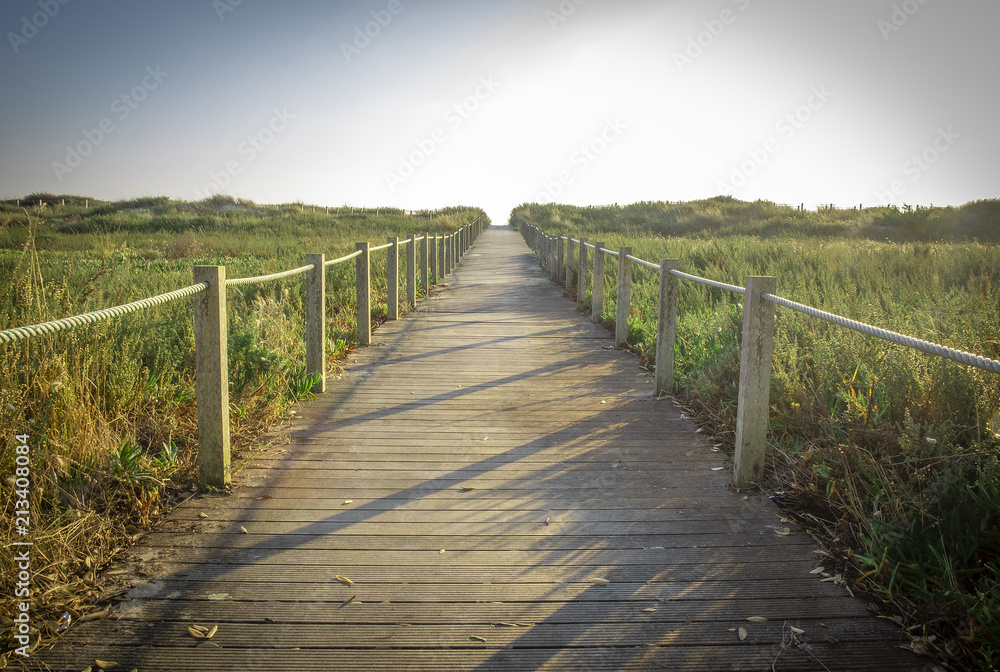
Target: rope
[
  {"x": 17, "y": 333},
  {"x": 643, "y": 262},
  {"x": 710, "y": 283},
  {"x": 892, "y": 336},
  {"x": 343, "y": 259},
  {"x": 267, "y": 278},
  {"x": 380, "y": 247}
]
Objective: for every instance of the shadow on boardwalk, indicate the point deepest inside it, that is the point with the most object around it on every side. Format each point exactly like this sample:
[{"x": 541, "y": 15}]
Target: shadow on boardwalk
[{"x": 496, "y": 489}]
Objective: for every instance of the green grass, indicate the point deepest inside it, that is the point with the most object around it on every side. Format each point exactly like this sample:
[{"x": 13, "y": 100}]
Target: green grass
[
  {"x": 895, "y": 451},
  {"x": 109, "y": 408}
]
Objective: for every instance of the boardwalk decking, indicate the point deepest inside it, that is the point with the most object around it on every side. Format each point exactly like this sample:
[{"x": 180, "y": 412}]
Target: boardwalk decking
[{"x": 476, "y": 474}]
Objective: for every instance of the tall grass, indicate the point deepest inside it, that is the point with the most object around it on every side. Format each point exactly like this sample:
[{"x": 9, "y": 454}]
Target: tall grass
[
  {"x": 888, "y": 454},
  {"x": 109, "y": 408}
]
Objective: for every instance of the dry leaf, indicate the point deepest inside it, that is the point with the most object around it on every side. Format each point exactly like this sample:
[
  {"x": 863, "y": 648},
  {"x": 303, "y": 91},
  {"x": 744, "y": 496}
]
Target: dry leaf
[
  {"x": 106, "y": 664},
  {"x": 649, "y": 609},
  {"x": 467, "y": 488},
  {"x": 687, "y": 619},
  {"x": 243, "y": 530},
  {"x": 441, "y": 551},
  {"x": 830, "y": 639},
  {"x": 743, "y": 633},
  {"x": 211, "y": 633},
  {"x": 838, "y": 577},
  {"x": 785, "y": 532},
  {"x": 478, "y": 638},
  {"x": 203, "y": 515},
  {"x": 265, "y": 497},
  {"x": 196, "y": 633},
  {"x": 818, "y": 570},
  {"x": 208, "y": 645},
  {"x": 796, "y": 631},
  {"x": 600, "y": 582},
  {"x": 756, "y": 619},
  {"x": 717, "y": 468},
  {"x": 348, "y": 501},
  {"x": 344, "y": 580}
]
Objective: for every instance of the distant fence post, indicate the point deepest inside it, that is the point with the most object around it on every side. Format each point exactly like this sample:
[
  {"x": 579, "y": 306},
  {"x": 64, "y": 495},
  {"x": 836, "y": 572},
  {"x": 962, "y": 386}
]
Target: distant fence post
[
  {"x": 560, "y": 257},
  {"x": 432, "y": 247},
  {"x": 212, "y": 377},
  {"x": 623, "y": 303},
  {"x": 363, "y": 294},
  {"x": 411, "y": 271},
  {"x": 392, "y": 280},
  {"x": 423, "y": 264},
  {"x": 755, "y": 382},
  {"x": 597, "y": 292},
  {"x": 581, "y": 276},
  {"x": 666, "y": 329},
  {"x": 569, "y": 262},
  {"x": 440, "y": 252},
  {"x": 316, "y": 320}
]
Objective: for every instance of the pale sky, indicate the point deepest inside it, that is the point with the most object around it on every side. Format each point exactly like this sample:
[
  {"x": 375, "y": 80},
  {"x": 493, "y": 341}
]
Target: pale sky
[{"x": 422, "y": 104}]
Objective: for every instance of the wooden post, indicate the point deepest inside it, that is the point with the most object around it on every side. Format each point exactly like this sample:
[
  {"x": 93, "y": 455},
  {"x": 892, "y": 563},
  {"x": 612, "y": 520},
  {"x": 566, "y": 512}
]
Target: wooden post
[
  {"x": 423, "y": 264},
  {"x": 411, "y": 271},
  {"x": 581, "y": 276},
  {"x": 362, "y": 290},
  {"x": 316, "y": 320},
  {"x": 432, "y": 249},
  {"x": 597, "y": 291},
  {"x": 392, "y": 280},
  {"x": 755, "y": 382},
  {"x": 212, "y": 377},
  {"x": 449, "y": 253},
  {"x": 666, "y": 329},
  {"x": 624, "y": 301},
  {"x": 441, "y": 269},
  {"x": 560, "y": 256},
  {"x": 569, "y": 262}
]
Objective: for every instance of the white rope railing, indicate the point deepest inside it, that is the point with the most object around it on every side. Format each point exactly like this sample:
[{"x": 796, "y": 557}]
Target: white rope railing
[
  {"x": 17, "y": 333},
  {"x": 260, "y": 279},
  {"x": 710, "y": 283},
  {"x": 342, "y": 259}
]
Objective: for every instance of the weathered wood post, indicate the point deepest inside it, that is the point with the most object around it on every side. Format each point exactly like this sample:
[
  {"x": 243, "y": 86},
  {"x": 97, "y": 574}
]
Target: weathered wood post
[
  {"x": 423, "y": 263},
  {"x": 623, "y": 303},
  {"x": 666, "y": 329},
  {"x": 212, "y": 377},
  {"x": 433, "y": 258},
  {"x": 569, "y": 262},
  {"x": 755, "y": 382},
  {"x": 581, "y": 276},
  {"x": 441, "y": 269},
  {"x": 597, "y": 291},
  {"x": 560, "y": 257},
  {"x": 316, "y": 320},
  {"x": 362, "y": 289},
  {"x": 448, "y": 259},
  {"x": 392, "y": 279},
  {"x": 411, "y": 271}
]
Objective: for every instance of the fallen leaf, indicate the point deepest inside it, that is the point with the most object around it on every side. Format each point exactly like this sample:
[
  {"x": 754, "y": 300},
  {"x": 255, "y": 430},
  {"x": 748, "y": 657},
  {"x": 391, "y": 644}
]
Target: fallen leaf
[
  {"x": 717, "y": 468},
  {"x": 830, "y": 639},
  {"x": 743, "y": 633},
  {"x": 208, "y": 645},
  {"x": 347, "y": 501},
  {"x": 649, "y": 609},
  {"x": 547, "y": 520},
  {"x": 196, "y": 633},
  {"x": 265, "y": 497},
  {"x": 467, "y": 488},
  {"x": 243, "y": 530},
  {"x": 785, "y": 532},
  {"x": 837, "y": 577},
  {"x": 478, "y": 638},
  {"x": 203, "y": 515},
  {"x": 756, "y": 619},
  {"x": 600, "y": 582},
  {"x": 344, "y": 580},
  {"x": 687, "y": 619},
  {"x": 211, "y": 633},
  {"x": 106, "y": 664},
  {"x": 441, "y": 551},
  {"x": 818, "y": 570},
  {"x": 796, "y": 631}
]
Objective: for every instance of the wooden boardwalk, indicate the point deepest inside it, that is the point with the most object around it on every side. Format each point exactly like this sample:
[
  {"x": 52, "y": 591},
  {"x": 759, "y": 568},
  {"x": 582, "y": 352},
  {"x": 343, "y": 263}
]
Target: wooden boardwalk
[{"x": 504, "y": 494}]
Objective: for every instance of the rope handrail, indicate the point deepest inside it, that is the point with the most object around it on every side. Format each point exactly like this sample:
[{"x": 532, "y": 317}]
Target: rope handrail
[
  {"x": 343, "y": 259},
  {"x": 607, "y": 251},
  {"x": 643, "y": 262},
  {"x": 17, "y": 333},
  {"x": 892, "y": 336},
  {"x": 380, "y": 247},
  {"x": 710, "y": 283},
  {"x": 233, "y": 282}
]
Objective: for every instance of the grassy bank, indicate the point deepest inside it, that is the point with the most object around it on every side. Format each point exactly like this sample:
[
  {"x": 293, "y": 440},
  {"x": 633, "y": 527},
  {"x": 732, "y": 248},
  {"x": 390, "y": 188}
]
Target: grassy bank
[
  {"x": 109, "y": 409},
  {"x": 888, "y": 456}
]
